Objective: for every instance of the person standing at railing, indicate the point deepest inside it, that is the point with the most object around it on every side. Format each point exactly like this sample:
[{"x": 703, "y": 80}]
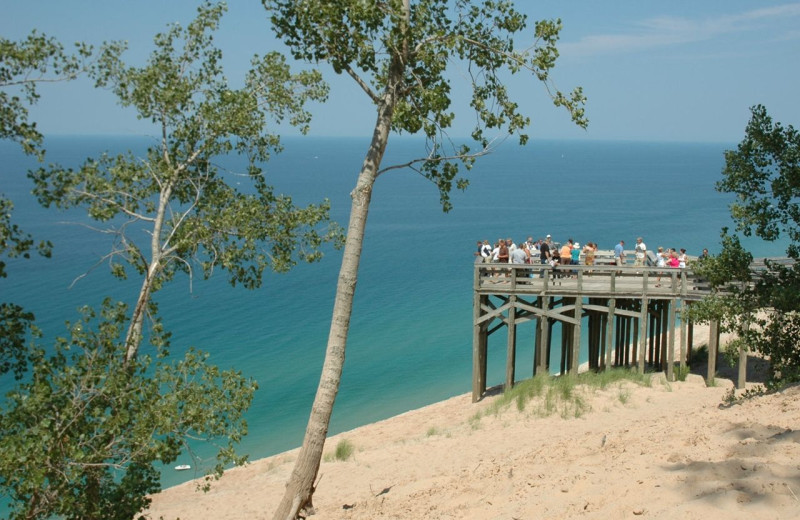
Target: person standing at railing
[
  {"x": 575, "y": 254},
  {"x": 518, "y": 256},
  {"x": 661, "y": 261},
  {"x": 511, "y": 245},
  {"x": 545, "y": 254},
  {"x": 566, "y": 253},
  {"x": 682, "y": 258},
  {"x": 673, "y": 260},
  {"x": 503, "y": 254},
  {"x": 640, "y": 252},
  {"x": 589, "y": 251},
  {"x": 619, "y": 253},
  {"x": 486, "y": 252},
  {"x": 533, "y": 250}
]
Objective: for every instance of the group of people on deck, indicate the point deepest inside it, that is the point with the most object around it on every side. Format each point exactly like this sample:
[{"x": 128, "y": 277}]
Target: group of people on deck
[
  {"x": 530, "y": 251},
  {"x": 547, "y": 252}
]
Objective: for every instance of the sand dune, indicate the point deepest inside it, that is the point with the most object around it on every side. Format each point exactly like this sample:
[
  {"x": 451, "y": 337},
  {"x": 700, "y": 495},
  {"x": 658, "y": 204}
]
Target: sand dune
[{"x": 671, "y": 450}]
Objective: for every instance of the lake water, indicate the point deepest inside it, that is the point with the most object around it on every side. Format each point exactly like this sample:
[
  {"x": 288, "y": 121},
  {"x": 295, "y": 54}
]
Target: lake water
[{"x": 410, "y": 340}]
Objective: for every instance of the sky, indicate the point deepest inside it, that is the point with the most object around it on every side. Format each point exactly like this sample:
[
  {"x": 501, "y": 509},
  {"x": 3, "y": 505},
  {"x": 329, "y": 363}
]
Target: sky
[{"x": 652, "y": 71}]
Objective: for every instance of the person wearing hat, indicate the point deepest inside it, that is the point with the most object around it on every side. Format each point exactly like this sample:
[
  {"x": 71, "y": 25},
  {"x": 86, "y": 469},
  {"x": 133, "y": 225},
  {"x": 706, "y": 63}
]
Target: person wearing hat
[
  {"x": 576, "y": 254},
  {"x": 544, "y": 251}
]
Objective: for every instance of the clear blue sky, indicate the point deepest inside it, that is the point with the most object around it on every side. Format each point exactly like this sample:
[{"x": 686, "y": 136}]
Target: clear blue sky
[{"x": 678, "y": 70}]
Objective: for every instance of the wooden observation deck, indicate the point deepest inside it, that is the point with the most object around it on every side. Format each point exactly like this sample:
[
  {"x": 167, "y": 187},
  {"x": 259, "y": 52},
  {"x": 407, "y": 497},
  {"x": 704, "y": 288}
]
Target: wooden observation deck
[{"x": 630, "y": 315}]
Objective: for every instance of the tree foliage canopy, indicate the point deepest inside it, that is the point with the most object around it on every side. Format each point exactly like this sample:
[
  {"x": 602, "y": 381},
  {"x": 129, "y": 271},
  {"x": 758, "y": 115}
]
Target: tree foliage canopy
[
  {"x": 84, "y": 435},
  {"x": 23, "y": 65},
  {"x": 761, "y": 307},
  {"x": 194, "y": 213},
  {"x": 177, "y": 189},
  {"x": 90, "y": 420},
  {"x": 408, "y": 55},
  {"x": 764, "y": 173}
]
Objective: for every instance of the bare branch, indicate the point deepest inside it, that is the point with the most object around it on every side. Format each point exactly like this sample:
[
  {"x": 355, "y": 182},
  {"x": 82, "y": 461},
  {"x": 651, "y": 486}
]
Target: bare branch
[
  {"x": 361, "y": 83},
  {"x": 111, "y": 202},
  {"x": 445, "y": 158}
]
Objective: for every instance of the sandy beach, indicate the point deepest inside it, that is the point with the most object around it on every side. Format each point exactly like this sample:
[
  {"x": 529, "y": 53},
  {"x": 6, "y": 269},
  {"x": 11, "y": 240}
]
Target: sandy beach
[{"x": 667, "y": 450}]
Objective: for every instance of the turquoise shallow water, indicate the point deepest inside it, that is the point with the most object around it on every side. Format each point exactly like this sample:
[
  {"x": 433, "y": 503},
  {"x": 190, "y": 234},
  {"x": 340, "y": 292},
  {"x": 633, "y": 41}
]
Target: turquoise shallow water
[{"x": 410, "y": 341}]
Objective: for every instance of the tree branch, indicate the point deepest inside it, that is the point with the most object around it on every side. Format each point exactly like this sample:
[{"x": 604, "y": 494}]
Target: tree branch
[
  {"x": 445, "y": 158},
  {"x": 361, "y": 83}
]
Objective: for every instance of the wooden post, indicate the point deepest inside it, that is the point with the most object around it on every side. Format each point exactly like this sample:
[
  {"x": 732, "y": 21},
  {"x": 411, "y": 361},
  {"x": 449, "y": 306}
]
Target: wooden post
[
  {"x": 653, "y": 333},
  {"x": 634, "y": 341},
  {"x": 683, "y": 318},
  {"x": 537, "y": 338},
  {"x": 544, "y": 334},
  {"x": 610, "y": 326},
  {"x": 671, "y": 347},
  {"x": 642, "y": 330},
  {"x": 511, "y": 351},
  {"x": 620, "y": 326},
  {"x": 576, "y": 336},
  {"x": 478, "y": 348},
  {"x": 565, "y": 335},
  {"x": 689, "y": 342},
  {"x": 643, "y": 320},
  {"x": 626, "y": 345},
  {"x": 603, "y": 345},
  {"x": 665, "y": 322},
  {"x": 713, "y": 345},
  {"x": 742, "y": 380}
]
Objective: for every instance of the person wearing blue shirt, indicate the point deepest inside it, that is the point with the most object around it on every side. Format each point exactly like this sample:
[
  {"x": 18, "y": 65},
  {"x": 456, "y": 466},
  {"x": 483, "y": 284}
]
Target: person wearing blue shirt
[{"x": 619, "y": 253}]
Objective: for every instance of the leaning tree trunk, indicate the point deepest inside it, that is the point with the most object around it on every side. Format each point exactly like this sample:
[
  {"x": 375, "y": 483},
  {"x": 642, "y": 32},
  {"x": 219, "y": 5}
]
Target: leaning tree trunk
[
  {"x": 134, "y": 336},
  {"x": 300, "y": 487}
]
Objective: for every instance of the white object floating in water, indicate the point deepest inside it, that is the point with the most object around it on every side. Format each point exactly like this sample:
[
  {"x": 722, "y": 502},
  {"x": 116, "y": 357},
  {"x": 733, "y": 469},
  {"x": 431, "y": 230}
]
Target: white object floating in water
[{"x": 183, "y": 467}]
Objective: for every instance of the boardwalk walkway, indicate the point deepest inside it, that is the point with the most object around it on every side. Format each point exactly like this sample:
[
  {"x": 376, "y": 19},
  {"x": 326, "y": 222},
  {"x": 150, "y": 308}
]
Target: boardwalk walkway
[{"x": 629, "y": 315}]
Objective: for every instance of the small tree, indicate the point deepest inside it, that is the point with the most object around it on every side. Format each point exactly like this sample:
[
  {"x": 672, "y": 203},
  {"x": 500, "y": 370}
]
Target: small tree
[
  {"x": 83, "y": 436},
  {"x": 399, "y": 55},
  {"x": 194, "y": 217},
  {"x": 761, "y": 307}
]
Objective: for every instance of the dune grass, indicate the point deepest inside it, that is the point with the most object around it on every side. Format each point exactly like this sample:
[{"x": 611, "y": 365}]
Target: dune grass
[
  {"x": 565, "y": 394},
  {"x": 344, "y": 450}
]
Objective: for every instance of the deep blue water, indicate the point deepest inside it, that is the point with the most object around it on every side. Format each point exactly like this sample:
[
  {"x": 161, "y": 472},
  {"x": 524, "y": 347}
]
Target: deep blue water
[{"x": 410, "y": 339}]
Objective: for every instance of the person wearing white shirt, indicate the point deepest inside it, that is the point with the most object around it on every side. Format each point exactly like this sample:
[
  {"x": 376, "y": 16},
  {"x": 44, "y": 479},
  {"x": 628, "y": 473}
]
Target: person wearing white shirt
[{"x": 640, "y": 251}]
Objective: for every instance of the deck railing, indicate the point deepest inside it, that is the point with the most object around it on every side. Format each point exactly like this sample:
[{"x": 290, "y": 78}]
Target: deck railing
[{"x": 590, "y": 280}]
